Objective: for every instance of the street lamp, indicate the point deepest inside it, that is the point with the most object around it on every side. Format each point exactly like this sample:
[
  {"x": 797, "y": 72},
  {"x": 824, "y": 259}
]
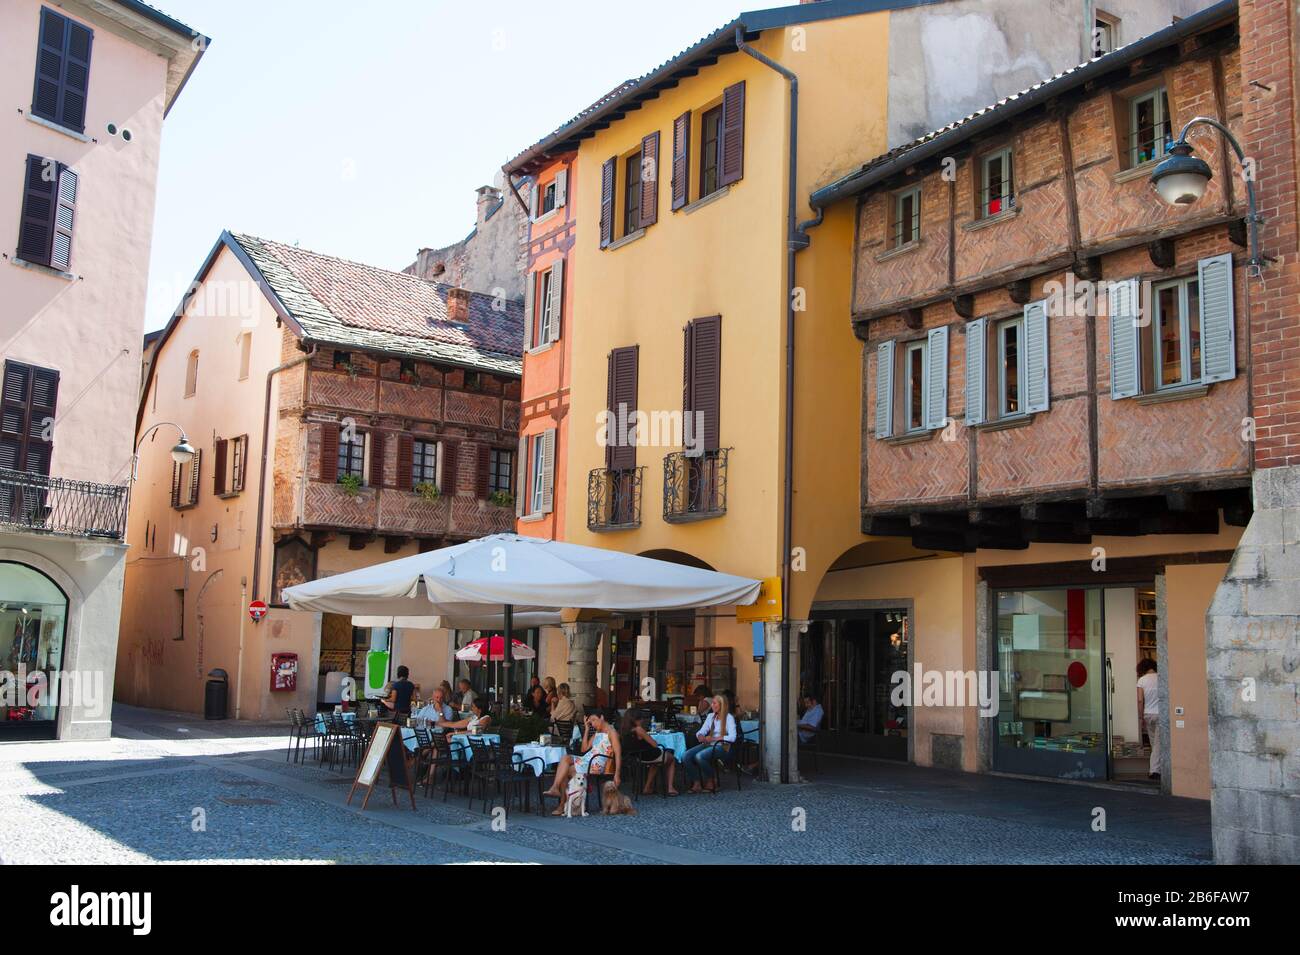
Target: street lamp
[
  {"x": 182, "y": 451},
  {"x": 1181, "y": 178}
]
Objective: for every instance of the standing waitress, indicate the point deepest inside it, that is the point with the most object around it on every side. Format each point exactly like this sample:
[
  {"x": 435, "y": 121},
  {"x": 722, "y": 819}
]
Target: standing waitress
[{"x": 399, "y": 695}]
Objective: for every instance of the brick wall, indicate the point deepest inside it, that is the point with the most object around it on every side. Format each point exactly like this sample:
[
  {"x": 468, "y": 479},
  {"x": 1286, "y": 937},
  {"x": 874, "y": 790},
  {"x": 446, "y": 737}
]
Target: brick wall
[{"x": 1269, "y": 137}]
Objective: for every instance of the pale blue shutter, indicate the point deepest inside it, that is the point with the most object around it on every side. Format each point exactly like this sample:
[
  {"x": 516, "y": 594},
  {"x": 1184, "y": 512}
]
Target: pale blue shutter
[
  {"x": 561, "y": 187},
  {"x": 1038, "y": 385},
  {"x": 936, "y": 373},
  {"x": 884, "y": 389},
  {"x": 976, "y": 389},
  {"x": 557, "y": 299},
  {"x": 1218, "y": 338},
  {"x": 1125, "y": 316}
]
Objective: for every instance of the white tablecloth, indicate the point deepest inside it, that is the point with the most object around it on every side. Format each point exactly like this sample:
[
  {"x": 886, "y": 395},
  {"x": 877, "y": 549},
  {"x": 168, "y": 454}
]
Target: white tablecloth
[{"x": 549, "y": 755}]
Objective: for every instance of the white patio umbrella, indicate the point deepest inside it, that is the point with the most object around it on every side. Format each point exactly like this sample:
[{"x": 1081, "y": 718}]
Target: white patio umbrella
[{"x": 518, "y": 576}]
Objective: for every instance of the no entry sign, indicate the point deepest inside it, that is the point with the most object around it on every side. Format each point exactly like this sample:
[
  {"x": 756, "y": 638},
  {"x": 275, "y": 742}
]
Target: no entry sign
[{"x": 257, "y": 610}]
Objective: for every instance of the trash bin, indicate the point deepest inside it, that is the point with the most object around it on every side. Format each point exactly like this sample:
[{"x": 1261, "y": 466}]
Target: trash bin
[{"x": 215, "y": 695}]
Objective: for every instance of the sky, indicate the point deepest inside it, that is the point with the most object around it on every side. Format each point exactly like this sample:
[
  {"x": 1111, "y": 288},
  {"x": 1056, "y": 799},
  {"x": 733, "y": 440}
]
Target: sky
[{"x": 362, "y": 129}]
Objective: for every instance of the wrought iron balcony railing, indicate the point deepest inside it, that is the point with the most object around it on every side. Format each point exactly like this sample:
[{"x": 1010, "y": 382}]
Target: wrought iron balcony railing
[
  {"x": 695, "y": 486},
  {"x": 614, "y": 499},
  {"x": 59, "y": 506}
]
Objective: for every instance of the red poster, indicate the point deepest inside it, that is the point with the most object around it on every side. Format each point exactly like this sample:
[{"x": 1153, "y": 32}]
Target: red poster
[{"x": 1076, "y": 637}]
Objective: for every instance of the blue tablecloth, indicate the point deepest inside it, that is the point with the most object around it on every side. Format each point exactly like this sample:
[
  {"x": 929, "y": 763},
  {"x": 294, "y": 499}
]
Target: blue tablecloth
[{"x": 671, "y": 741}]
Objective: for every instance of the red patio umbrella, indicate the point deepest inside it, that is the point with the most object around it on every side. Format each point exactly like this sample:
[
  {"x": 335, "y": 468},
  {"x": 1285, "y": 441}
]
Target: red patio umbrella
[{"x": 494, "y": 648}]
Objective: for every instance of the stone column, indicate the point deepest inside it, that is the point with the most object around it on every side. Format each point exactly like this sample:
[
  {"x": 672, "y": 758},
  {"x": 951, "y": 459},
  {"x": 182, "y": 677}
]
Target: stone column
[
  {"x": 1253, "y": 663},
  {"x": 583, "y": 639},
  {"x": 774, "y": 664}
]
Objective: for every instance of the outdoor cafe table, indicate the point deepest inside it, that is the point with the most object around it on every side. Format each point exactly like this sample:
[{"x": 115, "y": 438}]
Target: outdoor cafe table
[{"x": 548, "y": 755}]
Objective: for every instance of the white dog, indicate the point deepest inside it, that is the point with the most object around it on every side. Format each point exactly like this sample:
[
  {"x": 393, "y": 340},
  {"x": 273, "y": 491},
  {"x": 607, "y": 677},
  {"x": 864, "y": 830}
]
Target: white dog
[{"x": 575, "y": 796}]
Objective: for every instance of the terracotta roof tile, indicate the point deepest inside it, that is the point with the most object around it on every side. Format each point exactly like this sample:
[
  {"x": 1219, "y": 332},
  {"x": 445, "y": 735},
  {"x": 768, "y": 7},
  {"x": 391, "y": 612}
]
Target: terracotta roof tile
[{"x": 338, "y": 302}]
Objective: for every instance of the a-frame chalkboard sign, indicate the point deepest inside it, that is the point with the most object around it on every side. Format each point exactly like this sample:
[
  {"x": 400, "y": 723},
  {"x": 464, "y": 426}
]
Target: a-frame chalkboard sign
[{"x": 385, "y": 747}]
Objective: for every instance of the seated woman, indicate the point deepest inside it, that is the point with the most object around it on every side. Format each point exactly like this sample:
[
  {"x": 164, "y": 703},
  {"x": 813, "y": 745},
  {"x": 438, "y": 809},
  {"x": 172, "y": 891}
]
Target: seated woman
[
  {"x": 552, "y": 691},
  {"x": 717, "y": 735},
  {"x": 479, "y": 719},
  {"x": 636, "y": 743},
  {"x": 536, "y": 702},
  {"x": 600, "y": 746}
]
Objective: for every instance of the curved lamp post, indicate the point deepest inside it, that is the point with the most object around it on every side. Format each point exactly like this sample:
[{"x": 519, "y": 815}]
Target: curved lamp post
[
  {"x": 182, "y": 452},
  {"x": 1181, "y": 179}
]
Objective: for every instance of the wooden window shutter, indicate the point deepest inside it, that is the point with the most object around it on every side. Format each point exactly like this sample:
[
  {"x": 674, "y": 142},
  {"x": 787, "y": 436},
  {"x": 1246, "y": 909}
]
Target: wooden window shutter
[
  {"x": 548, "y": 470},
  {"x": 328, "y": 468},
  {"x": 220, "y": 451},
  {"x": 450, "y": 463},
  {"x": 484, "y": 475},
  {"x": 732, "y": 149},
  {"x": 405, "y": 461},
  {"x": 62, "y": 71},
  {"x": 556, "y": 302},
  {"x": 650, "y": 179},
  {"x": 976, "y": 387},
  {"x": 681, "y": 160},
  {"x": 1125, "y": 326},
  {"x": 534, "y": 200},
  {"x": 607, "y": 201},
  {"x": 622, "y": 387},
  {"x": 64, "y": 214},
  {"x": 241, "y": 462},
  {"x": 377, "y": 459},
  {"x": 196, "y": 471},
  {"x": 530, "y": 292},
  {"x": 30, "y": 400},
  {"x": 40, "y": 203},
  {"x": 561, "y": 187},
  {"x": 1038, "y": 385},
  {"x": 884, "y": 389},
  {"x": 520, "y": 476},
  {"x": 176, "y": 484},
  {"x": 936, "y": 373},
  {"x": 704, "y": 388},
  {"x": 1218, "y": 337}
]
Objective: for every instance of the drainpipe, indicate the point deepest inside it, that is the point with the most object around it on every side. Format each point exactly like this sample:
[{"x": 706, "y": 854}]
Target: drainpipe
[
  {"x": 261, "y": 480},
  {"x": 239, "y": 666},
  {"x": 796, "y": 239}
]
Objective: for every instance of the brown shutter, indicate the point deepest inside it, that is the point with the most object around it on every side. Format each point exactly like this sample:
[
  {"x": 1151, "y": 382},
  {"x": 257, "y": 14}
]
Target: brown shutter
[
  {"x": 30, "y": 400},
  {"x": 484, "y": 471},
  {"x": 219, "y": 467},
  {"x": 733, "y": 134},
  {"x": 450, "y": 462},
  {"x": 405, "y": 461},
  {"x": 377, "y": 459},
  {"x": 650, "y": 179},
  {"x": 328, "y": 468},
  {"x": 607, "y": 201},
  {"x": 681, "y": 159},
  {"x": 704, "y": 367},
  {"x": 241, "y": 461},
  {"x": 195, "y": 471},
  {"x": 176, "y": 484},
  {"x": 62, "y": 71},
  {"x": 622, "y": 389},
  {"x": 40, "y": 202}
]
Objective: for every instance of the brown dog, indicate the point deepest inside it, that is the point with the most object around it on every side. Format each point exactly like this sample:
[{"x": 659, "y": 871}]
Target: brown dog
[{"x": 613, "y": 802}]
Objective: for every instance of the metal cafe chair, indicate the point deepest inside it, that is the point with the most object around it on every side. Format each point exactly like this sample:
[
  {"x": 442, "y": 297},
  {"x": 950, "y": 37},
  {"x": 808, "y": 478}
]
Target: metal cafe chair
[{"x": 640, "y": 766}]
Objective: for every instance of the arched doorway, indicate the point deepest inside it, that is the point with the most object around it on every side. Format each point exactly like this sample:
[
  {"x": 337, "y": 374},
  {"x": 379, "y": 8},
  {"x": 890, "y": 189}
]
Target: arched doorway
[{"x": 33, "y": 630}]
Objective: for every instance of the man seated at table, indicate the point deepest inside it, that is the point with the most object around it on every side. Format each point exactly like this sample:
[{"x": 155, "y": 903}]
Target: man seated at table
[
  {"x": 811, "y": 721},
  {"x": 437, "y": 708},
  {"x": 466, "y": 694},
  {"x": 565, "y": 709}
]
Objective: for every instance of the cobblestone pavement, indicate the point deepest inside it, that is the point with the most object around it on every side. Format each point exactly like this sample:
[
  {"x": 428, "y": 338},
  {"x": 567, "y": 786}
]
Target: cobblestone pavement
[{"x": 171, "y": 788}]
